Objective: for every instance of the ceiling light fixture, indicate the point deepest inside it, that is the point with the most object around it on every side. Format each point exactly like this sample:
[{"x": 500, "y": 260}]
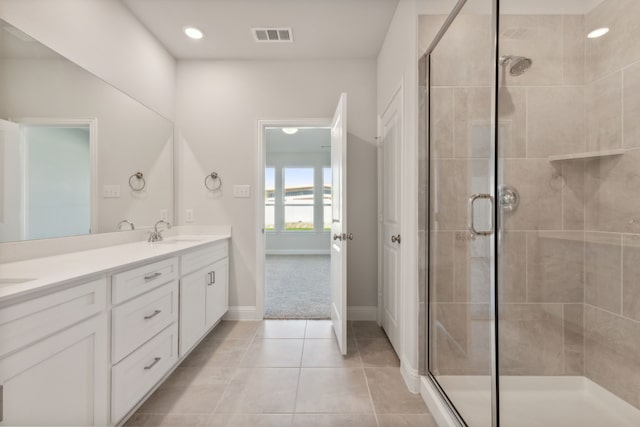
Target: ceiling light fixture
[
  {"x": 599, "y": 32},
  {"x": 193, "y": 33},
  {"x": 290, "y": 131}
]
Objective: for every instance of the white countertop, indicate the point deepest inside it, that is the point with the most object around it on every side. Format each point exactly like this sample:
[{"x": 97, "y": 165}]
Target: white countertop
[{"x": 34, "y": 275}]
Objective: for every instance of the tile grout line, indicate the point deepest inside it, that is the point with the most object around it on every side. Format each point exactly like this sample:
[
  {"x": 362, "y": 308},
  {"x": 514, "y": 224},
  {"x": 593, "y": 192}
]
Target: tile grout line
[
  {"x": 366, "y": 380},
  {"x": 295, "y": 399},
  {"x": 233, "y": 376}
]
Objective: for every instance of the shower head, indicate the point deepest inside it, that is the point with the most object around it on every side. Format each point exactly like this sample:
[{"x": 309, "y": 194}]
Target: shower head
[{"x": 519, "y": 64}]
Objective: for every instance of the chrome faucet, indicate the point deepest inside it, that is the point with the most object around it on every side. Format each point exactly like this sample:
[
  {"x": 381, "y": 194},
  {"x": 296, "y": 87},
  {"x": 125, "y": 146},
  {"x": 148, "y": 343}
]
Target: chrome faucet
[
  {"x": 125, "y": 221},
  {"x": 155, "y": 235}
]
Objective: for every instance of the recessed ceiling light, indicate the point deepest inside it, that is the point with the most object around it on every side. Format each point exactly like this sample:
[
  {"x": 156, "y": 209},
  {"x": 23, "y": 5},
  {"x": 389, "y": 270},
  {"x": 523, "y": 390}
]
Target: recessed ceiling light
[
  {"x": 599, "y": 32},
  {"x": 290, "y": 131},
  {"x": 193, "y": 33}
]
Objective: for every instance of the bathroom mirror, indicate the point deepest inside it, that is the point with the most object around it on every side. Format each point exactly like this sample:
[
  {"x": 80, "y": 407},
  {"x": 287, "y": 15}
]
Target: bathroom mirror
[{"x": 77, "y": 156}]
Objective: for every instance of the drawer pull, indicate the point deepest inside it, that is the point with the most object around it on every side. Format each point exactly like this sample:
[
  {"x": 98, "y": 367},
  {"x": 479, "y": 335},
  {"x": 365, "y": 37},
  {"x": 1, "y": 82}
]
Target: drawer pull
[
  {"x": 152, "y": 276},
  {"x": 152, "y": 315},
  {"x": 152, "y": 364}
]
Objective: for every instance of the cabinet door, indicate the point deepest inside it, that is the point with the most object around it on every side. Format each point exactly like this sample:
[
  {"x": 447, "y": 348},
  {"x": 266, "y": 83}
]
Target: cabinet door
[
  {"x": 60, "y": 380},
  {"x": 218, "y": 292},
  {"x": 193, "y": 288}
]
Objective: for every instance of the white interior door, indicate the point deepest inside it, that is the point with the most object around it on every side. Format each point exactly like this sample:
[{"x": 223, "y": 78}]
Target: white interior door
[
  {"x": 391, "y": 192},
  {"x": 11, "y": 183},
  {"x": 339, "y": 232}
]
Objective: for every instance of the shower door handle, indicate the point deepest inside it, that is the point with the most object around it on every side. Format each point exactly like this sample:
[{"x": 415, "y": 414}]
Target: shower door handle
[{"x": 471, "y": 205}]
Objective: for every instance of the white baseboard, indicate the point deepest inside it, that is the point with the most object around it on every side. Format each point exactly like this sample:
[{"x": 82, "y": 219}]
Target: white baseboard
[
  {"x": 298, "y": 252},
  {"x": 362, "y": 312},
  {"x": 411, "y": 376},
  {"x": 242, "y": 312},
  {"x": 438, "y": 409}
]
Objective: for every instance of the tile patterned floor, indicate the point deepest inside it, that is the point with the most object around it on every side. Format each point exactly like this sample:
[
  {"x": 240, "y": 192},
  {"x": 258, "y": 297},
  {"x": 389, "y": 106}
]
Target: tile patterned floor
[{"x": 286, "y": 373}]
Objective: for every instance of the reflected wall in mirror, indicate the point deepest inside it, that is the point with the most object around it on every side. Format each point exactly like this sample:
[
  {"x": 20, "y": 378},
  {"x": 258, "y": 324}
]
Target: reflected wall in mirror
[{"x": 69, "y": 142}]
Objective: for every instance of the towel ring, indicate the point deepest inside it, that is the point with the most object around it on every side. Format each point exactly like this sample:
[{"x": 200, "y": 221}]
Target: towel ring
[
  {"x": 214, "y": 177},
  {"x": 141, "y": 181}
]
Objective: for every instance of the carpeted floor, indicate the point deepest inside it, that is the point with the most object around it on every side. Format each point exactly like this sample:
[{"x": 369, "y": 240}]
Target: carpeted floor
[{"x": 297, "y": 287}]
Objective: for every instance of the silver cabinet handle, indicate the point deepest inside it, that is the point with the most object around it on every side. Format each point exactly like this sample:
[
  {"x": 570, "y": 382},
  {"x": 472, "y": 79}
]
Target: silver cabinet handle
[
  {"x": 470, "y": 220},
  {"x": 152, "y": 315},
  {"x": 395, "y": 239},
  {"x": 212, "y": 278},
  {"x": 152, "y": 364},
  {"x": 337, "y": 237},
  {"x": 153, "y": 276}
]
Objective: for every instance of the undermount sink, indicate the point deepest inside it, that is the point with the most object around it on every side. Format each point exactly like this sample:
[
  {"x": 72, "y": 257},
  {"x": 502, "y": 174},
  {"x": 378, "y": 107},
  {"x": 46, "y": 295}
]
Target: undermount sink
[{"x": 12, "y": 281}]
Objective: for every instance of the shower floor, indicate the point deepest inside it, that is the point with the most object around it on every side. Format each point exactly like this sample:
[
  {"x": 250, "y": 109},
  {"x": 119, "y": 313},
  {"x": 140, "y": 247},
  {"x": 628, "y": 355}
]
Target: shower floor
[{"x": 539, "y": 401}]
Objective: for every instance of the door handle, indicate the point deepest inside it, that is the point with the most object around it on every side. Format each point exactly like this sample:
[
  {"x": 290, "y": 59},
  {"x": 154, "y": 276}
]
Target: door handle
[
  {"x": 470, "y": 220},
  {"x": 348, "y": 236},
  {"x": 395, "y": 239},
  {"x": 337, "y": 237}
]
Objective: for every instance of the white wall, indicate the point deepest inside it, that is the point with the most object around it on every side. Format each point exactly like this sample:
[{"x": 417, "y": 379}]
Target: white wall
[
  {"x": 398, "y": 64},
  {"x": 218, "y": 107},
  {"x": 103, "y": 37}
]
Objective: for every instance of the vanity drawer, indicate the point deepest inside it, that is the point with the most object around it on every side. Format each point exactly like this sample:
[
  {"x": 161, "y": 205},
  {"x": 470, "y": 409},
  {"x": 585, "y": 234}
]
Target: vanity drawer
[
  {"x": 32, "y": 320},
  {"x": 200, "y": 258},
  {"x": 138, "y": 320},
  {"x": 130, "y": 283},
  {"x": 132, "y": 378}
]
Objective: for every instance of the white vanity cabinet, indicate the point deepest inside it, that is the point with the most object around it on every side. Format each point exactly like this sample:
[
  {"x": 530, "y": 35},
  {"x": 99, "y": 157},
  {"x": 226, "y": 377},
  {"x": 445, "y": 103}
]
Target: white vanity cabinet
[
  {"x": 144, "y": 331},
  {"x": 204, "y": 293},
  {"x": 88, "y": 352},
  {"x": 54, "y": 358}
]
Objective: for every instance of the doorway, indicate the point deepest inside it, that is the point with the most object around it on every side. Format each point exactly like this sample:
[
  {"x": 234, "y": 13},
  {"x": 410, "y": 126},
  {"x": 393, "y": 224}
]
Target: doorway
[
  {"x": 297, "y": 222},
  {"x": 49, "y": 184}
]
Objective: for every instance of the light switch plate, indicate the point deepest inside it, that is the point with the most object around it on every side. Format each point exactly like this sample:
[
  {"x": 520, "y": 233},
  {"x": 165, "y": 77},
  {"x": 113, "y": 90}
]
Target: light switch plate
[
  {"x": 242, "y": 191},
  {"x": 188, "y": 215},
  {"x": 111, "y": 191}
]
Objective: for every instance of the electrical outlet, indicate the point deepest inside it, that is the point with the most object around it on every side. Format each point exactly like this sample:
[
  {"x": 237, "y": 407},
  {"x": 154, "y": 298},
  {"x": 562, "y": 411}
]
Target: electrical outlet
[
  {"x": 243, "y": 191},
  {"x": 164, "y": 215},
  {"x": 111, "y": 191},
  {"x": 188, "y": 215}
]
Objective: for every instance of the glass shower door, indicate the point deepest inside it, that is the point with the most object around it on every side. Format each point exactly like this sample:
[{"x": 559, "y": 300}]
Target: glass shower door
[{"x": 460, "y": 213}]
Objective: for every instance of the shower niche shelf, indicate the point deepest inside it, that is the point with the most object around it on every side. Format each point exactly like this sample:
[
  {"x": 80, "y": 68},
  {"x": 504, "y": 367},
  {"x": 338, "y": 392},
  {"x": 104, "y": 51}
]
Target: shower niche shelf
[{"x": 588, "y": 155}]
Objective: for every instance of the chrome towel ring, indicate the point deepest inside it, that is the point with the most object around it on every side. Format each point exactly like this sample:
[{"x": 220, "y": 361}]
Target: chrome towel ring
[
  {"x": 139, "y": 183},
  {"x": 213, "y": 176}
]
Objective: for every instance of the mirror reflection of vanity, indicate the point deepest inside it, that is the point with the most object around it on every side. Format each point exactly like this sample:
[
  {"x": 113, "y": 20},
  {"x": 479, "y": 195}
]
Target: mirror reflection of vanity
[{"x": 77, "y": 156}]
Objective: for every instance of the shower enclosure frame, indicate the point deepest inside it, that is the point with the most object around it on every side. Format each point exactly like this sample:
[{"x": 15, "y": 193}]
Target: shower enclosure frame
[{"x": 425, "y": 315}]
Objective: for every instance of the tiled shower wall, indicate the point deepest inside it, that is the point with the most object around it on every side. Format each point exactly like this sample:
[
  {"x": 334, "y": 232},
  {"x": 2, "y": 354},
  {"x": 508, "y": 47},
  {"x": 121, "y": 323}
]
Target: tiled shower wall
[
  {"x": 612, "y": 201},
  {"x": 570, "y": 277}
]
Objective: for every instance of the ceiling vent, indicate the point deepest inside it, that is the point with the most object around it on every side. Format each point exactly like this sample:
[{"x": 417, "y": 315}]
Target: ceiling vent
[{"x": 272, "y": 35}]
